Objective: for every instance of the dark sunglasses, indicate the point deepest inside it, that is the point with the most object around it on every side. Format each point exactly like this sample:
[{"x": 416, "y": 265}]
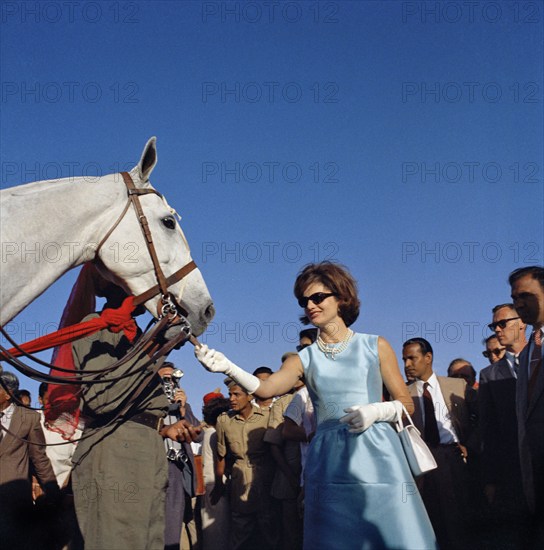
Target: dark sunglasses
[
  {"x": 501, "y": 324},
  {"x": 496, "y": 352},
  {"x": 316, "y": 298}
]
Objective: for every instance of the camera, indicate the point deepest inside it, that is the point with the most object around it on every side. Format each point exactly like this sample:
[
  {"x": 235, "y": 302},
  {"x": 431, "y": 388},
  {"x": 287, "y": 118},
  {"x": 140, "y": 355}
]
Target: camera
[
  {"x": 177, "y": 455},
  {"x": 171, "y": 384}
]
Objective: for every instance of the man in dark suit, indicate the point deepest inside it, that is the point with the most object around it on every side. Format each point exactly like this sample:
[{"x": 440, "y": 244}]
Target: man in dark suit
[
  {"x": 22, "y": 445},
  {"x": 443, "y": 409},
  {"x": 500, "y": 472},
  {"x": 527, "y": 286}
]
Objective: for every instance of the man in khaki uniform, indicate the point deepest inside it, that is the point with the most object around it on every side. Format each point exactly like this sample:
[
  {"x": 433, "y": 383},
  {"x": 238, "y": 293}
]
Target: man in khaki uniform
[{"x": 240, "y": 437}]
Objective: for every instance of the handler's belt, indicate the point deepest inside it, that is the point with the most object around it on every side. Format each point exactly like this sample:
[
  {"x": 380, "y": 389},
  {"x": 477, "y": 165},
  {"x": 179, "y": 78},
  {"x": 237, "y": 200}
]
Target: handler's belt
[
  {"x": 148, "y": 419},
  {"x": 145, "y": 418}
]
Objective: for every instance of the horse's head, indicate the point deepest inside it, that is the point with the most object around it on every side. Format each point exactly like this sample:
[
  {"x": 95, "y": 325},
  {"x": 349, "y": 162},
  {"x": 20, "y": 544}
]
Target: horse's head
[{"x": 131, "y": 265}]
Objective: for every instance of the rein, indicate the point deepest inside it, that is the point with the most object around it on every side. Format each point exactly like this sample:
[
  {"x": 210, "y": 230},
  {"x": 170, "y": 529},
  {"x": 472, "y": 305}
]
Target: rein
[
  {"x": 149, "y": 374},
  {"x": 144, "y": 343}
]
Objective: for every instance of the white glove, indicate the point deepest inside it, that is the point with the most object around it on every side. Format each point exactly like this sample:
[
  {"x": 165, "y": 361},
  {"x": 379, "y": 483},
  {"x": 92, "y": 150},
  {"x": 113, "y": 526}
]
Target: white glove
[
  {"x": 215, "y": 361},
  {"x": 361, "y": 417}
]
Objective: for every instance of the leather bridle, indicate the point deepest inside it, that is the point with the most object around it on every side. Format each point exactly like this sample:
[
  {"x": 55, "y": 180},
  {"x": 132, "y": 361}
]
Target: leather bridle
[{"x": 168, "y": 305}]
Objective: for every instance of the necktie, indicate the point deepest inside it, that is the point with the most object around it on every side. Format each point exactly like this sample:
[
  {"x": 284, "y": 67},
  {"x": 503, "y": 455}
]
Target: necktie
[
  {"x": 431, "y": 435},
  {"x": 516, "y": 364},
  {"x": 535, "y": 362},
  {"x": 1, "y": 427}
]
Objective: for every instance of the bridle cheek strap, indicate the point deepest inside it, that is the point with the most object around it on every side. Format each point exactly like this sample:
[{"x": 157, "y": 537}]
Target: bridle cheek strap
[{"x": 168, "y": 302}]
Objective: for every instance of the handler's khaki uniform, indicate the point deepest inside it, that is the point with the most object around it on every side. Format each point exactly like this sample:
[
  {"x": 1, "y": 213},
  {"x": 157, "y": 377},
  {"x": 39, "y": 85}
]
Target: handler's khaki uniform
[
  {"x": 120, "y": 472},
  {"x": 242, "y": 442}
]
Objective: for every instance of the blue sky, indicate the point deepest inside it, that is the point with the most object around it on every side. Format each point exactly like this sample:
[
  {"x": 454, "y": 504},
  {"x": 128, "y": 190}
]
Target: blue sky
[{"x": 403, "y": 139}]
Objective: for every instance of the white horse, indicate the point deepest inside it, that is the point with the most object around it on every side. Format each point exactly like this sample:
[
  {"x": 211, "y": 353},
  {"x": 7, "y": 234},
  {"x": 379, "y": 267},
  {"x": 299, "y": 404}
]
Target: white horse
[{"x": 49, "y": 227}]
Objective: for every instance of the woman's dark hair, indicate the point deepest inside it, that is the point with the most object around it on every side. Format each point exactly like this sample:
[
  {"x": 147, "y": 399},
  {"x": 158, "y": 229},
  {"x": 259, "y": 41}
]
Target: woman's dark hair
[
  {"x": 337, "y": 279},
  {"x": 214, "y": 408}
]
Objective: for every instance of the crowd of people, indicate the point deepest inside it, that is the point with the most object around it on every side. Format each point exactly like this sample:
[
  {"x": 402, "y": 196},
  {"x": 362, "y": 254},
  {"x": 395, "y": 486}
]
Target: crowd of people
[{"x": 306, "y": 456}]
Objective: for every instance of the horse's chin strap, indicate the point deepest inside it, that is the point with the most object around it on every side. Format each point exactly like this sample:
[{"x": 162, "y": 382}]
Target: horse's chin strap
[{"x": 168, "y": 306}]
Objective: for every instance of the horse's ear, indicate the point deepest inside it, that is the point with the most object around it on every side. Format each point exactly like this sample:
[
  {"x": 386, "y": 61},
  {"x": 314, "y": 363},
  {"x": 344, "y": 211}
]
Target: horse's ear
[{"x": 148, "y": 159}]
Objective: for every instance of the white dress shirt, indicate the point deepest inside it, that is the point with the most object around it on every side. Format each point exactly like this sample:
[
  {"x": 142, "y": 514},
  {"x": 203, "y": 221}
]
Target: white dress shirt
[
  {"x": 512, "y": 359},
  {"x": 442, "y": 414}
]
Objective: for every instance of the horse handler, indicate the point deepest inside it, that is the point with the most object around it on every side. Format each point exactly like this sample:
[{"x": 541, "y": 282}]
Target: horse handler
[{"x": 119, "y": 474}]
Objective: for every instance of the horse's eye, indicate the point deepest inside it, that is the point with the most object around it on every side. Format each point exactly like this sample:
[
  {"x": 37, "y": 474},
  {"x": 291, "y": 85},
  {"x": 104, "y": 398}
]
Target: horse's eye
[{"x": 169, "y": 222}]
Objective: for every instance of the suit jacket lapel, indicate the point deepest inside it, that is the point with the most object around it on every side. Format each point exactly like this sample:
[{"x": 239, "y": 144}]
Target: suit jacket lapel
[
  {"x": 448, "y": 389},
  {"x": 537, "y": 393},
  {"x": 523, "y": 407},
  {"x": 14, "y": 427},
  {"x": 521, "y": 386},
  {"x": 502, "y": 370},
  {"x": 539, "y": 386}
]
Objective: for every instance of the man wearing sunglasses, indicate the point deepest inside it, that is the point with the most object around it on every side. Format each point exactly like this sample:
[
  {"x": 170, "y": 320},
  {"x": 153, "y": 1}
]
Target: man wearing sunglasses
[
  {"x": 494, "y": 351},
  {"x": 527, "y": 290},
  {"x": 501, "y": 471}
]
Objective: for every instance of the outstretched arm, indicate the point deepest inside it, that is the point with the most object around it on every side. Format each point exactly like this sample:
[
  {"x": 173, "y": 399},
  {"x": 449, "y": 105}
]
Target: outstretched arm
[{"x": 279, "y": 383}]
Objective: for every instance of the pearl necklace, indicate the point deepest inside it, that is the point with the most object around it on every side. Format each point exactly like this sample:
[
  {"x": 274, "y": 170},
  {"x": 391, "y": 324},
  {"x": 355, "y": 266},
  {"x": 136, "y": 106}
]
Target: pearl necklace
[{"x": 333, "y": 350}]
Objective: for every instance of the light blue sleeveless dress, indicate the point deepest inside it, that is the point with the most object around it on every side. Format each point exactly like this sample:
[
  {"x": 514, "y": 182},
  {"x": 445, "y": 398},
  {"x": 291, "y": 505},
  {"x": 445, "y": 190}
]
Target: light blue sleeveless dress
[{"x": 359, "y": 490}]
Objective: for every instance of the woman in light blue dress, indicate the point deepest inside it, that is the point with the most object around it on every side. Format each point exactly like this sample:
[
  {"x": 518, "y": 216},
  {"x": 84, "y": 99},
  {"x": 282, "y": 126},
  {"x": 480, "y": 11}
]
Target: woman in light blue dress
[{"x": 359, "y": 491}]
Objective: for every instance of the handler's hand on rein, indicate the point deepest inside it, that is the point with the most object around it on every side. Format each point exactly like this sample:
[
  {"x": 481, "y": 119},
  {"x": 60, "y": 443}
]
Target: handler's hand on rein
[
  {"x": 361, "y": 417},
  {"x": 181, "y": 431}
]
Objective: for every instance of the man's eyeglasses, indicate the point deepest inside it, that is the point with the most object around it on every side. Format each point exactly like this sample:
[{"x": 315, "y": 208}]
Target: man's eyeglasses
[
  {"x": 496, "y": 352},
  {"x": 501, "y": 324},
  {"x": 316, "y": 298}
]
